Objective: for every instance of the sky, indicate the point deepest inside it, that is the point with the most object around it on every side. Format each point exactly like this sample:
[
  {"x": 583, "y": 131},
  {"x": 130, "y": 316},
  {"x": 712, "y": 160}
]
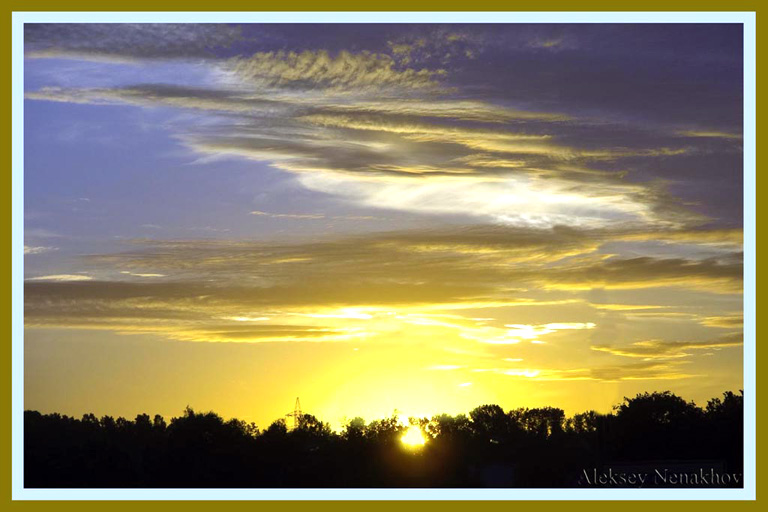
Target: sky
[{"x": 380, "y": 218}]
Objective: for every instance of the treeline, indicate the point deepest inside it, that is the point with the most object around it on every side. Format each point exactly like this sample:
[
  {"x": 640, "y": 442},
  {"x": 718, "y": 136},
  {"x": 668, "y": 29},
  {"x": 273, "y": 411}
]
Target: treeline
[{"x": 487, "y": 448}]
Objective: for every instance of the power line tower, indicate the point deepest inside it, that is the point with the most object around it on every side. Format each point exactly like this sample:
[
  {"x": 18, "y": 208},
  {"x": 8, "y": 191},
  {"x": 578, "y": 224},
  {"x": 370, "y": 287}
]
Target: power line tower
[{"x": 296, "y": 414}]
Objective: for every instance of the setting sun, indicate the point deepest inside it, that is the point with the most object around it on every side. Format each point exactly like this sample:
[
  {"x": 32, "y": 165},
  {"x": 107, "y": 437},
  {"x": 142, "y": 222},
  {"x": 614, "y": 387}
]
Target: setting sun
[{"x": 413, "y": 437}]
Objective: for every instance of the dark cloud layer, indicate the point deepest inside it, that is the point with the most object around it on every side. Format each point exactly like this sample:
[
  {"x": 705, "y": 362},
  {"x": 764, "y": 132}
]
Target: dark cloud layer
[{"x": 127, "y": 41}]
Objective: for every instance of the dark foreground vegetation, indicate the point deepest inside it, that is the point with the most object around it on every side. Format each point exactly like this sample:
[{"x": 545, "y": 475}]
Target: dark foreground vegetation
[{"x": 653, "y": 434}]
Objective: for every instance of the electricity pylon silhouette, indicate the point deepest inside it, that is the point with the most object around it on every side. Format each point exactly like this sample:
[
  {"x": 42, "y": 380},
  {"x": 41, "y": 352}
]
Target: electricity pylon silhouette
[{"x": 296, "y": 414}]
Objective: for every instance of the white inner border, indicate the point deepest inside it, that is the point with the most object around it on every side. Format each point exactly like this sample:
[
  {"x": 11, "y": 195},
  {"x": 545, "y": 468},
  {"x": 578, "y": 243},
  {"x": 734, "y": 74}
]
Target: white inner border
[{"x": 21, "y": 493}]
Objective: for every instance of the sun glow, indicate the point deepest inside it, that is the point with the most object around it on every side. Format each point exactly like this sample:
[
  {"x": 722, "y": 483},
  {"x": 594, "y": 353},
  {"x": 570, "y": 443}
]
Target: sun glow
[{"x": 413, "y": 437}]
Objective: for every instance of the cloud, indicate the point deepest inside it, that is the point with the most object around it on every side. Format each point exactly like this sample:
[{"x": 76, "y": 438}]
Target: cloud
[
  {"x": 126, "y": 272},
  {"x": 311, "y": 216},
  {"x": 648, "y": 272},
  {"x": 516, "y": 200},
  {"x": 369, "y": 130},
  {"x": 625, "y": 307},
  {"x": 731, "y": 236},
  {"x": 480, "y": 139},
  {"x": 185, "y": 97},
  {"x": 61, "y": 278},
  {"x": 29, "y": 249},
  {"x": 639, "y": 371},
  {"x": 358, "y": 73},
  {"x": 661, "y": 349},
  {"x": 477, "y": 257},
  {"x": 459, "y": 109},
  {"x": 515, "y": 333},
  {"x": 545, "y": 43},
  {"x": 287, "y": 215},
  {"x": 725, "y": 322},
  {"x": 709, "y": 134},
  {"x": 379, "y": 282},
  {"x": 436, "y": 44},
  {"x": 645, "y": 370},
  {"x": 481, "y": 330}
]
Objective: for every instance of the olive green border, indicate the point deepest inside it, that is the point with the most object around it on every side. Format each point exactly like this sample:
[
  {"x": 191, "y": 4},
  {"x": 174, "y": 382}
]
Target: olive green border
[{"x": 326, "y": 5}]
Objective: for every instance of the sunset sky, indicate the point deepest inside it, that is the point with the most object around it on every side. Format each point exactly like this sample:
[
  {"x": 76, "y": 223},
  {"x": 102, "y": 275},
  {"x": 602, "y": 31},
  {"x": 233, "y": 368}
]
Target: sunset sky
[{"x": 375, "y": 217}]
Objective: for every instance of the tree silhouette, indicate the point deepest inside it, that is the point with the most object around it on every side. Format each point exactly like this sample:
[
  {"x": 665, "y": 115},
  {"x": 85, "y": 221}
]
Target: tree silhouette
[{"x": 522, "y": 447}]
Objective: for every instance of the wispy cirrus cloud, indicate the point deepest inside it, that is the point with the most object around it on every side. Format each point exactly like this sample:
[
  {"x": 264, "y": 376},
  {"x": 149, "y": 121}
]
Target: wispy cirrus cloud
[
  {"x": 31, "y": 249},
  {"x": 369, "y": 129},
  {"x": 312, "y": 216},
  {"x": 358, "y": 73},
  {"x": 710, "y": 134},
  {"x": 662, "y": 349},
  {"x": 413, "y": 274},
  {"x": 645, "y": 370},
  {"x": 476, "y": 256},
  {"x": 61, "y": 278},
  {"x": 724, "y": 322}
]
